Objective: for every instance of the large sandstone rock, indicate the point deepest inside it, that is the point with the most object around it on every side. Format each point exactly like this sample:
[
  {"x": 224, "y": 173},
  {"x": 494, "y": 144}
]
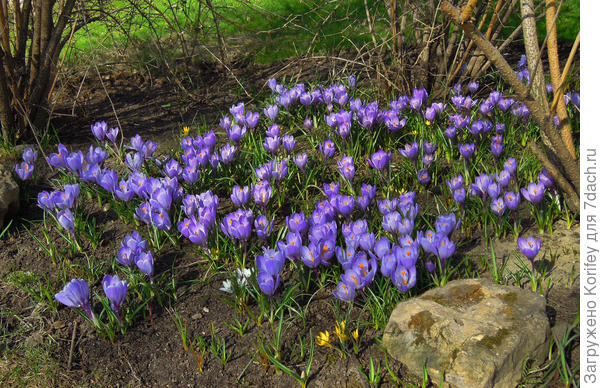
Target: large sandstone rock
[
  {"x": 474, "y": 331},
  {"x": 9, "y": 194}
]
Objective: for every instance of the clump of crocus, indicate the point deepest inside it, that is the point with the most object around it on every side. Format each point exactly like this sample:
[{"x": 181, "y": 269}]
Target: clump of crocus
[
  {"x": 25, "y": 169},
  {"x": 269, "y": 264},
  {"x": 76, "y": 294}
]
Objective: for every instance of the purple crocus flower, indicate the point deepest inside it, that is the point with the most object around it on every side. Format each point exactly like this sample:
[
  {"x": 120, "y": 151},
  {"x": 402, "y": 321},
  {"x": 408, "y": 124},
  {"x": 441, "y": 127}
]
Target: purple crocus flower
[
  {"x": 394, "y": 123},
  {"x": 289, "y": 143},
  {"x": 480, "y": 185},
  {"x": 346, "y": 167},
  {"x": 264, "y": 172},
  {"x": 292, "y": 247},
  {"x": 172, "y": 168},
  {"x": 404, "y": 278},
  {"x": 296, "y": 223},
  {"x": 270, "y": 262},
  {"x": 239, "y": 196},
  {"x": 145, "y": 262},
  {"x": 459, "y": 195},
  {"x": 380, "y": 160},
  {"x": 410, "y": 151},
  {"x": 530, "y": 247},
  {"x": 210, "y": 140},
  {"x": 148, "y": 148},
  {"x": 430, "y": 115},
  {"x": 252, "y": 119},
  {"x": 268, "y": 284},
  {"x": 512, "y": 200},
  {"x": 429, "y": 147},
  {"x": 29, "y": 155},
  {"x": 343, "y": 204},
  {"x": 143, "y": 212},
  {"x": 58, "y": 160},
  {"x": 473, "y": 86},
  {"x": 311, "y": 255},
  {"x": 546, "y": 179},
  {"x": 112, "y": 133},
  {"x": 308, "y": 124},
  {"x": 227, "y": 154},
  {"x": 494, "y": 190},
  {"x": 126, "y": 255},
  {"x": 498, "y": 206},
  {"x": 344, "y": 292},
  {"x": 466, "y": 150},
  {"x": 300, "y": 160},
  {"x": 45, "y": 201},
  {"x": 427, "y": 159},
  {"x": 134, "y": 161},
  {"x": 24, "y": 170},
  {"x": 75, "y": 161},
  {"x": 99, "y": 130},
  {"x": 306, "y": 99},
  {"x": 190, "y": 175},
  {"x": 280, "y": 170},
  {"x": 263, "y": 227},
  {"x": 236, "y": 133},
  {"x": 445, "y": 248},
  {"x": 116, "y": 291},
  {"x": 497, "y": 149},
  {"x": 76, "y": 294},
  {"x": 137, "y": 143},
  {"x": 445, "y": 224},
  {"x": 352, "y": 81},
  {"x": 261, "y": 191},
  {"x": 503, "y": 178},
  {"x": 66, "y": 220},
  {"x": 533, "y": 193},
  {"x": 450, "y": 132},
  {"x": 160, "y": 218},
  {"x": 109, "y": 181},
  {"x": 505, "y": 103},
  {"x": 418, "y": 98},
  {"x": 271, "y": 144},
  {"x": 331, "y": 189},
  {"x": 388, "y": 264},
  {"x": 327, "y": 149},
  {"x": 455, "y": 182},
  {"x": 423, "y": 177},
  {"x": 511, "y": 166}
]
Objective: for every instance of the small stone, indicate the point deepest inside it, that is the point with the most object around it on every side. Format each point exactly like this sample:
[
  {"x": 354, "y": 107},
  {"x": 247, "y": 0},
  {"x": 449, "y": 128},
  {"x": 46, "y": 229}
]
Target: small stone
[
  {"x": 205, "y": 309},
  {"x": 476, "y": 332},
  {"x": 197, "y": 316},
  {"x": 9, "y": 194}
]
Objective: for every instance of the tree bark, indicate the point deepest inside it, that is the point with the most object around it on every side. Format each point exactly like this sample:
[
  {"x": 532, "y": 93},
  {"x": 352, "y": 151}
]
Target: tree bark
[
  {"x": 532, "y": 49},
  {"x": 563, "y": 119}
]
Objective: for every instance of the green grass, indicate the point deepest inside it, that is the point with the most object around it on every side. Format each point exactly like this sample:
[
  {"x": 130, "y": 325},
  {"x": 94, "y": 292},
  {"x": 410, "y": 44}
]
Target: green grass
[{"x": 268, "y": 30}]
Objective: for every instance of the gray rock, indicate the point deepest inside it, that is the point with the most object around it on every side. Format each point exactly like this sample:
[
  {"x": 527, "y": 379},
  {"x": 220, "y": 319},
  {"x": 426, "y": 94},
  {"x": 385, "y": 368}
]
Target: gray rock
[
  {"x": 475, "y": 332},
  {"x": 9, "y": 195}
]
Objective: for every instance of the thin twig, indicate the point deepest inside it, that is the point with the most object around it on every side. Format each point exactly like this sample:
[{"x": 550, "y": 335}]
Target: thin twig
[{"x": 72, "y": 347}]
